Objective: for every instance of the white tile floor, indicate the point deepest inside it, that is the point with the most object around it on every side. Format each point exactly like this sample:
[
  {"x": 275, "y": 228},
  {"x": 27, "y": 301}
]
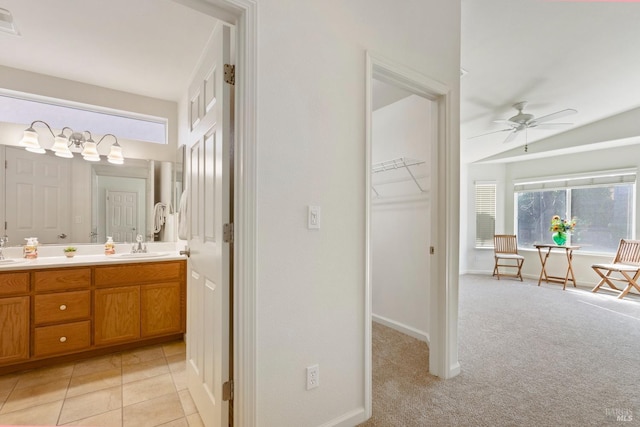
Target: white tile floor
[{"x": 138, "y": 388}]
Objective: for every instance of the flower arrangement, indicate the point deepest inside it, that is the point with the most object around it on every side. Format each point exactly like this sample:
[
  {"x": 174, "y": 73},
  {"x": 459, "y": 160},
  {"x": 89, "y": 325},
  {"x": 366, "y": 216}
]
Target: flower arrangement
[
  {"x": 559, "y": 225},
  {"x": 70, "y": 249}
]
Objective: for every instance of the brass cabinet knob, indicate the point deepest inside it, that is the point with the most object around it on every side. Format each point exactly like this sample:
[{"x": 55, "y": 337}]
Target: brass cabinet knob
[
  {"x": 63, "y": 339},
  {"x": 63, "y": 307}
]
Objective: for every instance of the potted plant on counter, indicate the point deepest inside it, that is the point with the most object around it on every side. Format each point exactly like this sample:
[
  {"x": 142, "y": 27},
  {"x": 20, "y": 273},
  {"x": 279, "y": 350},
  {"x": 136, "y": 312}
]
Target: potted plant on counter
[{"x": 70, "y": 251}]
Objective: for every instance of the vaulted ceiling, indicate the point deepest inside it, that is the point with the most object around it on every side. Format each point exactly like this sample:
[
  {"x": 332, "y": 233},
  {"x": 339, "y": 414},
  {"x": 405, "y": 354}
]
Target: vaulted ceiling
[{"x": 553, "y": 54}]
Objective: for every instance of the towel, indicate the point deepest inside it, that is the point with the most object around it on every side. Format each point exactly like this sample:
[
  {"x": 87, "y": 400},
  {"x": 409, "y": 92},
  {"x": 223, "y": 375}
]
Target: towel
[{"x": 183, "y": 210}]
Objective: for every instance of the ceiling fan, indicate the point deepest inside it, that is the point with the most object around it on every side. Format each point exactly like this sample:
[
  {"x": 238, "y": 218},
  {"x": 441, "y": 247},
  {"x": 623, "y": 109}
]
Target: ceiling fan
[{"x": 523, "y": 121}]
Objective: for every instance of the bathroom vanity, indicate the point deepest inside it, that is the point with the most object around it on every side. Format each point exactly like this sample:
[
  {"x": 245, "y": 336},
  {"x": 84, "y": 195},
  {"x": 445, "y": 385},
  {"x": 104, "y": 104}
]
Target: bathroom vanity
[{"x": 61, "y": 310}]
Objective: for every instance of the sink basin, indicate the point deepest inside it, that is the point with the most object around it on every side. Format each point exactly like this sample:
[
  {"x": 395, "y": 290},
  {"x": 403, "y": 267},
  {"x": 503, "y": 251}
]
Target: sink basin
[
  {"x": 140, "y": 255},
  {"x": 11, "y": 261}
]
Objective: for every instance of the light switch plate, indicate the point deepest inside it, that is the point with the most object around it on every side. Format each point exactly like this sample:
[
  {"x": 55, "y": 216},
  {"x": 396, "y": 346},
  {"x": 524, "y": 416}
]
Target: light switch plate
[{"x": 313, "y": 218}]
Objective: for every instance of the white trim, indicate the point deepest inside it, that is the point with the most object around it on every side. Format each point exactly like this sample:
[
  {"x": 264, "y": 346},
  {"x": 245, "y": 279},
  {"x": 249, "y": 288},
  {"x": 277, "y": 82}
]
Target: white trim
[
  {"x": 245, "y": 215},
  {"x": 402, "y": 328},
  {"x": 243, "y": 14},
  {"x": 444, "y": 263},
  {"x": 368, "y": 267},
  {"x": 576, "y": 176},
  {"x": 349, "y": 419}
]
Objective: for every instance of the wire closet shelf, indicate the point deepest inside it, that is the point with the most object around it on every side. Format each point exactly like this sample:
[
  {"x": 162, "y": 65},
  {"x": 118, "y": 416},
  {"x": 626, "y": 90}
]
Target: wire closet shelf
[{"x": 399, "y": 163}]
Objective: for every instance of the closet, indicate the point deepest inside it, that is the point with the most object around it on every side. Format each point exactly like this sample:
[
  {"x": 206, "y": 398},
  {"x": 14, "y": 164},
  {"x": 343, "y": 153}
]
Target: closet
[{"x": 400, "y": 215}]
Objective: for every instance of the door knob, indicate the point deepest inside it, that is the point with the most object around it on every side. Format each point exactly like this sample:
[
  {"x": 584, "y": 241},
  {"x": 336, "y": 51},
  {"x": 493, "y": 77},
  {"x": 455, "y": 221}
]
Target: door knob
[
  {"x": 62, "y": 236},
  {"x": 186, "y": 251}
]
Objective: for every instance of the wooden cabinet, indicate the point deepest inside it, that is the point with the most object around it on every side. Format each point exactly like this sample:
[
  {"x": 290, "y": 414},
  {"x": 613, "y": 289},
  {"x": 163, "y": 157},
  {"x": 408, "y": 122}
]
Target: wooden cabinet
[
  {"x": 14, "y": 329},
  {"x": 14, "y": 317},
  {"x": 117, "y": 316},
  {"x": 136, "y": 301},
  {"x": 62, "y": 313},
  {"x": 160, "y": 309}
]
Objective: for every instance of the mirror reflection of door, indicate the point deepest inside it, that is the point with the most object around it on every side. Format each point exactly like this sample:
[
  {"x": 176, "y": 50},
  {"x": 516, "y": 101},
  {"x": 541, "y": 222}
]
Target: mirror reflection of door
[
  {"x": 37, "y": 197},
  {"x": 122, "y": 215}
]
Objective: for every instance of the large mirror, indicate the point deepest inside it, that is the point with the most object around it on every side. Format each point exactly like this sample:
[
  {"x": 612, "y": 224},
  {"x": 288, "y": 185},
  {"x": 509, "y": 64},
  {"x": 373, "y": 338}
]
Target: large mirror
[{"x": 72, "y": 201}]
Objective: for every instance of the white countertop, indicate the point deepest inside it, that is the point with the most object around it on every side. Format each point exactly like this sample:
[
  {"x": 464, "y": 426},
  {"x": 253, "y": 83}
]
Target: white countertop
[{"x": 53, "y": 256}]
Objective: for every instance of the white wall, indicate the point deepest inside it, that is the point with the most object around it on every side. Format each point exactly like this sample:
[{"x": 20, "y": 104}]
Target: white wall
[
  {"x": 311, "y": 150},
  {"x": 400, "y": 220},
  {"x": 481, "y": 260}
]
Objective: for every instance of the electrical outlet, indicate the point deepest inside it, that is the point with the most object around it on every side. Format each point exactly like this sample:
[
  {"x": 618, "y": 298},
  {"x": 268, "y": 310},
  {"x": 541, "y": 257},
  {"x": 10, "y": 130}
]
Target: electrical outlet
[{"x": 313, "y": 377}]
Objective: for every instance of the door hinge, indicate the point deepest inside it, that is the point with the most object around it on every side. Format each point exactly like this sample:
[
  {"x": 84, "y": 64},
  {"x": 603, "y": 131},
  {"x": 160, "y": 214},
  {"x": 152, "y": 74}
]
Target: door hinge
[
  {"x": 432, "y": 250},
  {"x": 227, "y": 390},
  {"x": 6, "y": 164},
  {"x": 227, "y": 232},
  {"x": 230, "y": 74}
]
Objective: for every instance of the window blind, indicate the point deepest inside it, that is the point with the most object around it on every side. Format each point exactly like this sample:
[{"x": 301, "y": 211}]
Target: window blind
[{"x": 485, "y": 214}]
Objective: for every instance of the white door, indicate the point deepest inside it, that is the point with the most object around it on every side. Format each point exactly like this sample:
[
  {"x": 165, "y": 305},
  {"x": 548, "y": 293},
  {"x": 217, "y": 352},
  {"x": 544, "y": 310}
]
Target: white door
[
  {"x": 208, "y": 160},
  {"x": 122, "y": 215},
  {"x": 37, "y": 197}
]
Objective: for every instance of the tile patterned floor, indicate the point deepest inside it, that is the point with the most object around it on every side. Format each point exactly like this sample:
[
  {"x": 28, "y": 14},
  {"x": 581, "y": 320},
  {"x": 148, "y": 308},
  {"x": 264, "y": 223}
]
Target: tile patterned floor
[{"x": 140, "y": 388}]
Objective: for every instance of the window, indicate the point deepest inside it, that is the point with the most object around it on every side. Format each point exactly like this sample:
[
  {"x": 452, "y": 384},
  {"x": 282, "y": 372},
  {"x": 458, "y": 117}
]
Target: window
[
  {"x": 603, "y": 206},
  {"x": 485, "y": 214},
  {"x": 99, "y": 121}
]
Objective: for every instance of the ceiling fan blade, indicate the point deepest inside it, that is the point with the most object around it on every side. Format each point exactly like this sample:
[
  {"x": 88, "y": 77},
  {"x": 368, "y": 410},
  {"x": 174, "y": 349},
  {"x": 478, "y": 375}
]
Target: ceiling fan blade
[
  {"x": 489, "y": 133},
  {"x": 556, "y": 115},
  {"x": 511, "y": 136},
  {"x": 507, "y": 122},
  {"x": 550, "y": 125}
]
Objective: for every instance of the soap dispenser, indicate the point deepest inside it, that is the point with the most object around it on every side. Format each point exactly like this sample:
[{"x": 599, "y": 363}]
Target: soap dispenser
[
  {"x": 109, "y": 247},
  {"x": 30, "y": 250}
]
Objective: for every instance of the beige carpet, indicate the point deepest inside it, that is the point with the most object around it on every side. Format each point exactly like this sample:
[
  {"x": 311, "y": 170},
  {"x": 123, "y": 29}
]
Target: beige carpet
[{"x": 530, "y": 356}]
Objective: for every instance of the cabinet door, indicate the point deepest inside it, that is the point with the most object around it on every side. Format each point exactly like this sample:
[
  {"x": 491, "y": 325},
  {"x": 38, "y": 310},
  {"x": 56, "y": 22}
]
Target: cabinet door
[
  {"x": 161, "y": 309},
  {"x": 14, "y": 329},
  {"x": 117, "y": 315}
]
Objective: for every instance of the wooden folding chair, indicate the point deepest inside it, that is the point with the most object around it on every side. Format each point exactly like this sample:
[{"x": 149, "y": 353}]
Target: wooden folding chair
[
  {"x": 625, "y": 265},
  {"x": 505, "y": 250}
]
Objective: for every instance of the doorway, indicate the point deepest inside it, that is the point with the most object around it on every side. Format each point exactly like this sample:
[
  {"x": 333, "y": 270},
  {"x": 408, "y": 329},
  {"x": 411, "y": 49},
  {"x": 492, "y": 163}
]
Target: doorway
[{"x": 441, "y": 313}]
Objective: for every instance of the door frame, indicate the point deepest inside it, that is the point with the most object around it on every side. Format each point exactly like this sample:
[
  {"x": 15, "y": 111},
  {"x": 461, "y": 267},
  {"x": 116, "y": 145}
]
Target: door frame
[
  {"x": 443, "y": 277},
  {"x": 242, "y": 14}
]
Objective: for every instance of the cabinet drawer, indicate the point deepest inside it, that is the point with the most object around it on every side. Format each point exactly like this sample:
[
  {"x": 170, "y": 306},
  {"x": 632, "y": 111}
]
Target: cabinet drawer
[
  {"x": 63, "y": 306},
  {"x": 14, "y": 283},
  {"x": 58, "y": 280},
  {"x": 59, "y": 339},
  {"x": 138, "y": 273}
]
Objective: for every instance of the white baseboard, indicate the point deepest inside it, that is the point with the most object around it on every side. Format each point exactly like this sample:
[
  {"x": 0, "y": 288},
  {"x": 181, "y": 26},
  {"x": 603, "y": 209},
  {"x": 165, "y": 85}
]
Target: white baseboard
[
  {"x": 349, "y": 419},
  {"x": 400, "y": 327}
]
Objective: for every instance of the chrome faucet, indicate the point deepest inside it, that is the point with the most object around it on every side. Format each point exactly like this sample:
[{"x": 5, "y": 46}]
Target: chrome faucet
[
  {"x": 3, "y": 241},
  {"x": 139, "y": 247}
]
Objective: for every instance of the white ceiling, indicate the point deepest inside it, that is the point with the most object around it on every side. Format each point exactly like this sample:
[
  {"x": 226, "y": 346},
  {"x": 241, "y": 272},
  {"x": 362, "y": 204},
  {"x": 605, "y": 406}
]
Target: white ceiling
[
  {"x": 147, "y": 47},
  {"x": 553, "y": 54}
]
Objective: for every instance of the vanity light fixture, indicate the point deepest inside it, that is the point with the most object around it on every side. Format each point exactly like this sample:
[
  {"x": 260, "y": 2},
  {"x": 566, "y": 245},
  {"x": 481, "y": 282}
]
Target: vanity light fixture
[{"x": 77, "y": 140}]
